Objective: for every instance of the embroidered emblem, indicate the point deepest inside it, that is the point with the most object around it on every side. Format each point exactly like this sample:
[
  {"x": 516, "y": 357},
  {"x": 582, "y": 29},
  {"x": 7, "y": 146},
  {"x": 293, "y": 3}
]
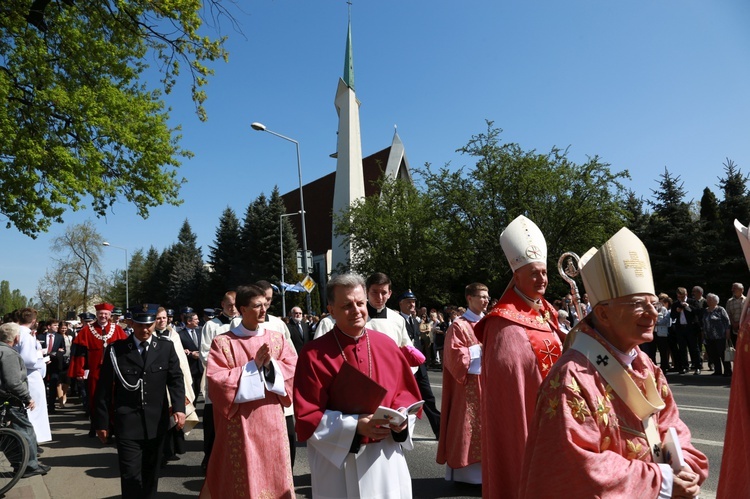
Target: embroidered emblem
[
  {"x": 602, "y": 360},
  {"x": 533, "y": 252},
  {"x": 545, "y": 367},
  {"x": 605, "y": 443},
  {"x": 552, "y": 409},
  {"x": 554, "y": 383},
  {"x": 574, "y": 386},
  {"x": 657, "y": 450},
  {"x": 602, "y": 411},
  {"x": 578, "y": 409},
  {"x": 634, "y": 449},
  {"x": 608, "y": 392},
  {"x": 549, "y": 354},
  {"x": 664, "y": 391},
  {"x": 635, "y": 263}
]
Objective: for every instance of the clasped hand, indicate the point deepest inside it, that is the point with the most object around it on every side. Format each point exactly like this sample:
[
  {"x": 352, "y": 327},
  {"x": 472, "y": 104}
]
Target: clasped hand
[
  {"x": 685, "y": 484},
  {"x": 263, "y": 356}
]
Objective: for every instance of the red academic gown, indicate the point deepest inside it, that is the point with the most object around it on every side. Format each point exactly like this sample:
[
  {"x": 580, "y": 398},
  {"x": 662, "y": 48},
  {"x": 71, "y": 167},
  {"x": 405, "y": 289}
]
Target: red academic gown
[
  {"x": 520, "y": 345},
  {"x": 734, "y": 478},
  {"x": 87, "y": 352}
]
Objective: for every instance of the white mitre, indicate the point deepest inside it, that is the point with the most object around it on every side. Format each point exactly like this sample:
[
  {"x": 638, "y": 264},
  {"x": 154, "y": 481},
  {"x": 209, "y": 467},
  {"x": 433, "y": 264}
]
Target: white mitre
[
  {"x": 523, "y": 243},
  {"x": 621, "y": 267},
  {"x": 744, "y": 237}
]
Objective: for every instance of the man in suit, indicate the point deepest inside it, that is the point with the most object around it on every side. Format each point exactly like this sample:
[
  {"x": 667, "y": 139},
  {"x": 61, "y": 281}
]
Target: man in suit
[
  {"x": 190, "y": 336},
  {"x": 54, "y": 342},
  {"x": 299, "y": 330},
  {"x": 134, "y": 379},
  {"x": 407, "y": 304}
]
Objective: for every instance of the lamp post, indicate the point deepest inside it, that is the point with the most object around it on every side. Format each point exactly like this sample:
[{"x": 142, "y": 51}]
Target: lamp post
[
  {"x": 127, "y": 292},
  {"x": 262, "y": 128},
  {"x": 281, "y": 244}
]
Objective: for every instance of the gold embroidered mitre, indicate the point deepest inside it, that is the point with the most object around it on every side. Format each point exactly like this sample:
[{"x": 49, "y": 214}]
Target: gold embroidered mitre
[{"x": 619, "y": 268}]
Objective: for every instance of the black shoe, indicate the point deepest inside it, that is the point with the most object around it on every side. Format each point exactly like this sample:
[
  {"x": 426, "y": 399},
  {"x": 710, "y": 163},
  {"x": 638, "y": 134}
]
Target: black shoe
[
  {"x": 697, "y": 372},
  {"x": 39, "y": 450},
  {"x": 683, "y": 371},
  {"x": 37, "y": 471}
]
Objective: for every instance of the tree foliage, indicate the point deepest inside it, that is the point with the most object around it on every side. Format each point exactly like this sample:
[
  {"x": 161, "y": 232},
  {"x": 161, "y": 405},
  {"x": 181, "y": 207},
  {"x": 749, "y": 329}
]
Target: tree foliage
[
  {"x": 78, "y": 123},
  {"x": 446, "y": 235},
  {"x": 225, "y": 256},
  {"x": 11, "y": 300},
  {"x": 187, "y": 279},
  {"x": 80, "y": 250}
]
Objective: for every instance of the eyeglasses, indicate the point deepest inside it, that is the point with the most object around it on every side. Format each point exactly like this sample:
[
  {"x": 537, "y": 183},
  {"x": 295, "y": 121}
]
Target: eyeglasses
[{"x": 637, "y": 306}]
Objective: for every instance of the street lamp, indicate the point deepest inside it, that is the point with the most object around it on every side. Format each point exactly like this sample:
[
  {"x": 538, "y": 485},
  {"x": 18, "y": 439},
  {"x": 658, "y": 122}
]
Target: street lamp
[
  {"x": 127, "y": 293},
  {"x": 281, "y": 243},
  {"x": 305, "y": 270}
]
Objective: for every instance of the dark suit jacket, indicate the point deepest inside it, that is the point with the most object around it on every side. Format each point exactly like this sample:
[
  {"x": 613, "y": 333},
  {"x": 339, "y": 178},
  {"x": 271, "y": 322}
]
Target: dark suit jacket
[
  {"x": 196, "y": 366},
  {"x": 298, "y": 340},
  {"x": 56, "y": 356},
  {"x": 139, "y": 417}
]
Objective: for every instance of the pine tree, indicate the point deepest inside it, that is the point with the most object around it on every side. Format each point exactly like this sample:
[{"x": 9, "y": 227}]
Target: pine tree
[
  {"x": 735, "y": 205},
  {"x": 709, "y": 241},
  {"x": 225, "y": 257},
  {"x": 672, "y": 237},
  {"x": 637, "y": 217},
  {"x": 186, "y": 280}
]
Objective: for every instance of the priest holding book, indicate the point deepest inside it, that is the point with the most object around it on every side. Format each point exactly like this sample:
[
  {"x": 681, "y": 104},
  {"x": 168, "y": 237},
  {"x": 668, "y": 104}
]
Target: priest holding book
[
  {"x": 341, "y": 380},
  {"x": 606, "y": 422}
]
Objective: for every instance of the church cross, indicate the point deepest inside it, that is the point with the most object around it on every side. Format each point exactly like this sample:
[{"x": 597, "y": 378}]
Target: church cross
[
  {"x": 602, "y": 360},
  {"x": 635, "y": 263}
]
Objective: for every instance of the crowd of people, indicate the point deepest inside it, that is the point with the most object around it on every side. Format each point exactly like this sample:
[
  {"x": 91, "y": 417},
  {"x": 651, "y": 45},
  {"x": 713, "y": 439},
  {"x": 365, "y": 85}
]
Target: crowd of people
[{"x": 580, "y": 388}]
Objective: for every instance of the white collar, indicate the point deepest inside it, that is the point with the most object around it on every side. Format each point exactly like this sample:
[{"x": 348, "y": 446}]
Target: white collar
[
  {"x": 471, "y": 316},
  {"x": 624, "y": 358},
  {"x": 244, "y": 332}
]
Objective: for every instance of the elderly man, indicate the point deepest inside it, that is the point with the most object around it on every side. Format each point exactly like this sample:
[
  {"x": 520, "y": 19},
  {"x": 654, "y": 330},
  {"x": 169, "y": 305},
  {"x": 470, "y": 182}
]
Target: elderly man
[
  {"x": 460, "y": 447},
  {"x": 521, "y": 341},
  {"x": 351, "y": 453},
  {"x": 135, "y": 377},
  {"x": 14, "y": 388},
  {"x": 87, "y": 350},
  {"x": 734, "y": 308},
  {"x": 606, "y": 423}
]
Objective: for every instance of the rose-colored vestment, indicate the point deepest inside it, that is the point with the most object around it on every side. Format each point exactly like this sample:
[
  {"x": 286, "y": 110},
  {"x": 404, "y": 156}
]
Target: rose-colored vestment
[
  {"x": 250, "y": 457},
  {"x": 460, "y": 426},
  {"x": 586, "y": 442},
  {"x": 515, "y": 339},
  {"x": 734, "y": 479}
]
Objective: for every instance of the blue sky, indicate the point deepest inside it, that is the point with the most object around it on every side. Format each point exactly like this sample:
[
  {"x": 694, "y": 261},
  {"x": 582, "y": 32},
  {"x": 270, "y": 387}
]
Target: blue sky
[{"x": 644, "y": 84}]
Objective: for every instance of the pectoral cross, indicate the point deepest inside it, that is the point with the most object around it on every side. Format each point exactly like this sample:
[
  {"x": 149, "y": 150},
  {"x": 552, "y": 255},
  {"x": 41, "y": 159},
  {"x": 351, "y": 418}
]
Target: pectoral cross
[{"x": 602, "y": 360}]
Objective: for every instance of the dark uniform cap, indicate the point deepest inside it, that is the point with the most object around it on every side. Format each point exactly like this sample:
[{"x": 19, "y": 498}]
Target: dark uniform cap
[
  {"x": 144, "y": 317},
  {"x": 407, "y": 296},
  {"x": 170, "y": 312},
  {"x": 186, "y": 310},
  {"x": 209, "y": 312},
  {"x": 117, "y": 311},
  {"x": 87, "y": 316}
]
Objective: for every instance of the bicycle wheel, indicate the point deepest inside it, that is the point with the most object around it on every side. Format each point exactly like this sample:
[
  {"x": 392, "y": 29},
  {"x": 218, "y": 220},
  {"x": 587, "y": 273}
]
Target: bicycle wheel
[{"x": 14, "y": 456}]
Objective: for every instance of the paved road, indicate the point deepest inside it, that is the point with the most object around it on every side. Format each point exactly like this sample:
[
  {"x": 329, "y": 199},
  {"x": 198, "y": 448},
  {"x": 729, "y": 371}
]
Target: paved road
[{"x": 83, "y": 468}]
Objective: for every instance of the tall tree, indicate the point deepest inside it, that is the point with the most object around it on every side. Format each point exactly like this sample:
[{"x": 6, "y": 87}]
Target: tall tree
[
  {"x": 153, "y": 287},
  {"x": 710, "y": 233},
  {"x": 10, "y": 300},
  {"x": 187, "y": 277},
  {"x": 636, "y": 215},
  {"x": 80, "y": 251},
  {"x": 672, "y": 236},
  {"x": 576, "y": 206},
  {"x": 80, "y": 122},
  {"x": 225, "y": 256},
  {"x": 734, "y": 205}
]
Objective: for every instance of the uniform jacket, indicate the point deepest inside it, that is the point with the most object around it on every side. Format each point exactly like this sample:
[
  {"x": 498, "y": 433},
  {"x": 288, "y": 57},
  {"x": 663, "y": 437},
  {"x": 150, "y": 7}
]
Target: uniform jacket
[{"x": 143, "y": 413}]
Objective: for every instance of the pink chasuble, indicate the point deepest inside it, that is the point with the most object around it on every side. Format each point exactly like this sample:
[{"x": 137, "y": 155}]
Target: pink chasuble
[
  {"x": 586, "y": 442},
  {"x": 734, "y": 478},
  {"x": 250, "y": 456},
  {"x": 460, "y": 427}
]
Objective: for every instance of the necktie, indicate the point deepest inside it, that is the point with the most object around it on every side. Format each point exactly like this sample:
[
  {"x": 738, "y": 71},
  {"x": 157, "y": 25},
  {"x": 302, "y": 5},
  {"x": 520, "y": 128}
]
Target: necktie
[
  {"x": 193, "y": 336},
  {"x": 144, "y": 352},
  {"x": 50, "y": 340}
]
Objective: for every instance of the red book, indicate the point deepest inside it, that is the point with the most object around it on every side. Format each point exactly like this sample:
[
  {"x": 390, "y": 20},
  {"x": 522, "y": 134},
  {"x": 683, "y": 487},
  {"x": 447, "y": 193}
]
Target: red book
[{"x": 353, "y": 392}]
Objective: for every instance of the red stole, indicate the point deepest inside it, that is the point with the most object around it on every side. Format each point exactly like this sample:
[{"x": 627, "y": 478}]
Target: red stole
[{"x": 541, "y": 327}]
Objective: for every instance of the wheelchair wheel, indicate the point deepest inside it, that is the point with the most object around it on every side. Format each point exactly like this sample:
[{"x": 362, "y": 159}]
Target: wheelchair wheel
[{"x": 14, "y": 456}]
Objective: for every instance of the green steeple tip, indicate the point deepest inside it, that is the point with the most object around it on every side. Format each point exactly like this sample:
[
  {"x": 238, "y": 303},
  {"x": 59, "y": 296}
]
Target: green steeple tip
[{"x": 349, "y": 59}]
